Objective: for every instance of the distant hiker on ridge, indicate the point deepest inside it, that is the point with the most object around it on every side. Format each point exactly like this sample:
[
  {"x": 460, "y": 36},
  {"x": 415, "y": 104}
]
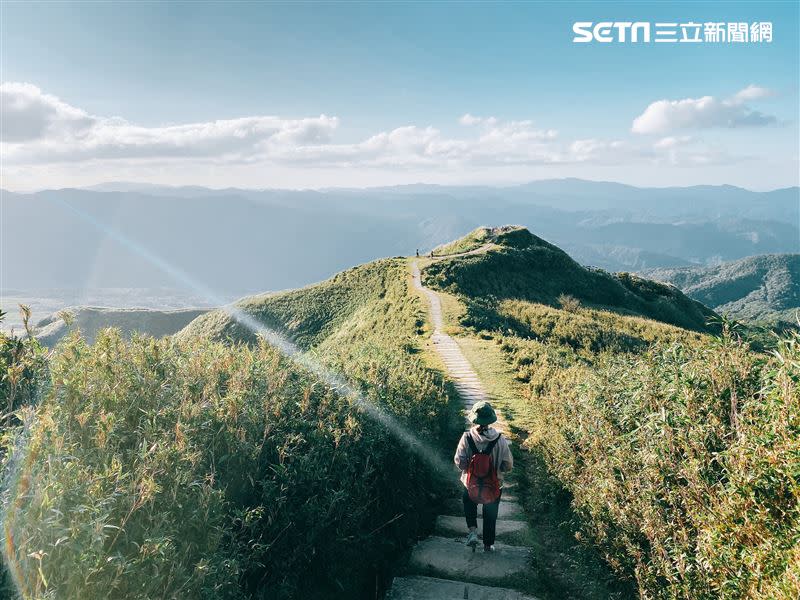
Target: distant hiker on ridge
[
  {"x": 482, "y": 456},
  {"x": 417, "y": 252}
]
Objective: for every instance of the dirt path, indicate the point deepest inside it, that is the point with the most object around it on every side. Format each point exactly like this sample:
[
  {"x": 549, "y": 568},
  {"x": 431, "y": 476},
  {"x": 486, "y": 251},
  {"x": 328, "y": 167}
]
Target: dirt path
[
  {"x": 441, "y": 567},
  {"x": 458, "y": 368}
]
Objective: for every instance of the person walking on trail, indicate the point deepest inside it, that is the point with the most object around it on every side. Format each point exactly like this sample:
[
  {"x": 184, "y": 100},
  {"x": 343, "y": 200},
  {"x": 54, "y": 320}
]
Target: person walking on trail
[{"x": 483, "y": 456}]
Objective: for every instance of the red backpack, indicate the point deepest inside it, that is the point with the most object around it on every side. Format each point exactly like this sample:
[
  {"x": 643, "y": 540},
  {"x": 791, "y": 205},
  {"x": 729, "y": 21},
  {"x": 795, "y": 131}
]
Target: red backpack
[{"x": 483, "y": 486}]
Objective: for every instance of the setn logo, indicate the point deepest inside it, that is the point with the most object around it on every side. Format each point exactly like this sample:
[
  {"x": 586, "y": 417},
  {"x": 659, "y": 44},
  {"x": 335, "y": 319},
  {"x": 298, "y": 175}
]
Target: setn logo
[{"x": 607, "y": 31}]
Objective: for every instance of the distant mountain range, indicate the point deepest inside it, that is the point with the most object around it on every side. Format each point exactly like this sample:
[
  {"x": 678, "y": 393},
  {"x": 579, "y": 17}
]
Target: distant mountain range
[
  {"x": 133, "y": 235},
  {"x": 758, "y": 288}
]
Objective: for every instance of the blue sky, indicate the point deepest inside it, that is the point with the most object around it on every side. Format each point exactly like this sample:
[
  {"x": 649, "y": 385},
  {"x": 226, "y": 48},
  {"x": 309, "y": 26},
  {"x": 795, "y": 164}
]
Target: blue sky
[{"x": 394, "y": 82}]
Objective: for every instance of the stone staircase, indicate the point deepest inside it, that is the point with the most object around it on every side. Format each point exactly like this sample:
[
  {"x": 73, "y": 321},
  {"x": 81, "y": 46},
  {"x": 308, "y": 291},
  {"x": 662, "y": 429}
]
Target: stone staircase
[{"x": 441, "y": 567}]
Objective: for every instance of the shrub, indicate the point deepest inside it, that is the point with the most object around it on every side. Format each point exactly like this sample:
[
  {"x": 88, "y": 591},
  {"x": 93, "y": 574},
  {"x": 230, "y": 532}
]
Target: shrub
[
  {"x": 684, "y": 464},
  {"x": 189, "y": 468},
  {"x": 569, "y": 303},
  {"x": 157, "y": 469},
  {"x": 22, "y": 365}
]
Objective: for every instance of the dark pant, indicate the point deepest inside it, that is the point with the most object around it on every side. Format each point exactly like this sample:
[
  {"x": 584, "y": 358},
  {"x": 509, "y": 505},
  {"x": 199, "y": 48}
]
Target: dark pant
[{"x": 489, "y": 516}]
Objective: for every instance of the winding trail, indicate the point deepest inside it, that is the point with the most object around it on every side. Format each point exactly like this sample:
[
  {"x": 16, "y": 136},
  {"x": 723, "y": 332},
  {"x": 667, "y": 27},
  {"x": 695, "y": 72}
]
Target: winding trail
[
  {"x": 441, "y": 567},
  {"x": 464, "y": 378}
]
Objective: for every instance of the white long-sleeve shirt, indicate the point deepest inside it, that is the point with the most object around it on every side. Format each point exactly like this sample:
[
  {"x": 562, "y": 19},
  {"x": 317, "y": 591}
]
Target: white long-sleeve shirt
[{"x": 501, "y": 453}]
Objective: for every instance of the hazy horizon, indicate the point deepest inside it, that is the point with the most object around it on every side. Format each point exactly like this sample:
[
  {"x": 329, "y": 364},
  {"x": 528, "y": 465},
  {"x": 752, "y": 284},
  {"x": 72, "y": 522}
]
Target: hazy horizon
[{"x": 510, "y": 184}]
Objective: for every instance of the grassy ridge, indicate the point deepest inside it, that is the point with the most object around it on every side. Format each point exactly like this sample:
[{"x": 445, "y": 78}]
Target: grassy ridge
[
  {"x": 680, "y": 451},
  {"x": 195, "y": 468},
  {"x": 525, "y": 267},
  {"x": 309, "y": 315}
]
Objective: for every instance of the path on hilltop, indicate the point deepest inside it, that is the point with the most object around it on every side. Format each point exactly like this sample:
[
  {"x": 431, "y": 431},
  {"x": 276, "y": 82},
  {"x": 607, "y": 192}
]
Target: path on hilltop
[
  {"x": 458, "y": 368},
  {"x": 441, "y": 567}
]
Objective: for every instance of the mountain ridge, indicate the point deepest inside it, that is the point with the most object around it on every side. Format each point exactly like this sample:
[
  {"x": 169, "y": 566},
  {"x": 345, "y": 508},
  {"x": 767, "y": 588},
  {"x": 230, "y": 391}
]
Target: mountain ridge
[
  {"x": 513, "y": 265},
  {"x": 764, "y": 288},
  {"x": 283, "y": 238}
]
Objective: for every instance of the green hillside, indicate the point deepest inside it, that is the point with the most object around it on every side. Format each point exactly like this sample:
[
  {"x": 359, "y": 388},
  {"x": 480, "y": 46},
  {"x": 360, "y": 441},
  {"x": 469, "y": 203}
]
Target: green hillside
[
  {"x": 522, "y": 266},
  {"x": 191, "y": 468},
  {"x": 212, "y": 465},
  {"x": 761, "y": 289},
  {"x": 670, "y": 449}
]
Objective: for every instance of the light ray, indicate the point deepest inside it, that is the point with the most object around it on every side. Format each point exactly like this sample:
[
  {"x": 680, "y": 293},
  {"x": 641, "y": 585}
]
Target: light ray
[
  {"x": 285, "y": 346},
  {"x": 276, "y": 340}
]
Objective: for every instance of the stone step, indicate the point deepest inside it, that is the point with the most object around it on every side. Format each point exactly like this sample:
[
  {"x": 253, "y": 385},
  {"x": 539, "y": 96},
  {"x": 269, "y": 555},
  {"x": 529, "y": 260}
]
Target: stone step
[
  {"x": 417, "y": 587},
  {"x": 447, "y": 525},
  {"x": 508, "y": 509},
  {"x": 451, "y": 559}
]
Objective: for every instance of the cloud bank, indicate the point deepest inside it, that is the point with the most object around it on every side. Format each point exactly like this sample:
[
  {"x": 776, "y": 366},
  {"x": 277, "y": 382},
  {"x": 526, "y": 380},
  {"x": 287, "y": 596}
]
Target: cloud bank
[
  {"x": 38, "y": 127},
  {"x": 40, "y": 130},
  {"x": 664, "y": 116}
]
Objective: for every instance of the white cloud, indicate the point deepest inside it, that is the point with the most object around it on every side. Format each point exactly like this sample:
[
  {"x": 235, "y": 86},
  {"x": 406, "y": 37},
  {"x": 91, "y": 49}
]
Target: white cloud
[
  {"x": 752, "y": 92},
  {"x": 470, "y": 120},
  {"x": 30, "y": 115},
  {"x": 689, "y": 151},
  {"x": 672, "y": 142},
  {"x": 38, "y": 127},
  {"x": 664, "y": 116},
  {"x": 41, "y": 131}
]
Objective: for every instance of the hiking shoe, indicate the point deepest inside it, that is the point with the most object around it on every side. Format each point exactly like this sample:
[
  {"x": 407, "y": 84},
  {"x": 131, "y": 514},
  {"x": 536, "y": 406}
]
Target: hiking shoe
[
  {"x": 472, "y": 539},
  {"x": 488, "y": 548}
]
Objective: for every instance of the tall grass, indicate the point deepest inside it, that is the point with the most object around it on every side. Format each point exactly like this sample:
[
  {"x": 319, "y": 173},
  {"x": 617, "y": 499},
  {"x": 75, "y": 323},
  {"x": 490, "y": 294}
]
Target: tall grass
[
  {"x": 190, "y": 468},
  {"x": 684, "y": 463},
  {"x": 22, "y": 370},
  {"x": 680, "y": 451},
  {"x": 22, "y": 362}
]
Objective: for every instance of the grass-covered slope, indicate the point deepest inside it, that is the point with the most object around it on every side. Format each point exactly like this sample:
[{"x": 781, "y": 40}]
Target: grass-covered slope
[
  {"x": 195, "y": 467},
  {"x": 522, "y": 266},
  {"x": 672, "y": 451},
  {"x": 762, "y": 289},
  {"x": 309, "y": 315}
]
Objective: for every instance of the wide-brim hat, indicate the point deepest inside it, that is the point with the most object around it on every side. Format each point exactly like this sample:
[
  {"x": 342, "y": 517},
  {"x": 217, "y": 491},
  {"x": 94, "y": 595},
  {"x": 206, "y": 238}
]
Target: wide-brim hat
[{"x": 482, "y": 413}]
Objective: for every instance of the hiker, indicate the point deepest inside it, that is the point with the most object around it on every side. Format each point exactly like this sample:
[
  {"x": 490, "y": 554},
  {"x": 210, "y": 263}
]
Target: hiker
[
  {"x": 417, "y": 252},
  {"x": 483, "y": 456}
]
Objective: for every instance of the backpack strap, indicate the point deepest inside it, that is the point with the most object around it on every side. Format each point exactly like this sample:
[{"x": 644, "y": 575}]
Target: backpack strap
[
  {"x": 471, "y": 443},
  {"x": 490, "y": 446}
]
